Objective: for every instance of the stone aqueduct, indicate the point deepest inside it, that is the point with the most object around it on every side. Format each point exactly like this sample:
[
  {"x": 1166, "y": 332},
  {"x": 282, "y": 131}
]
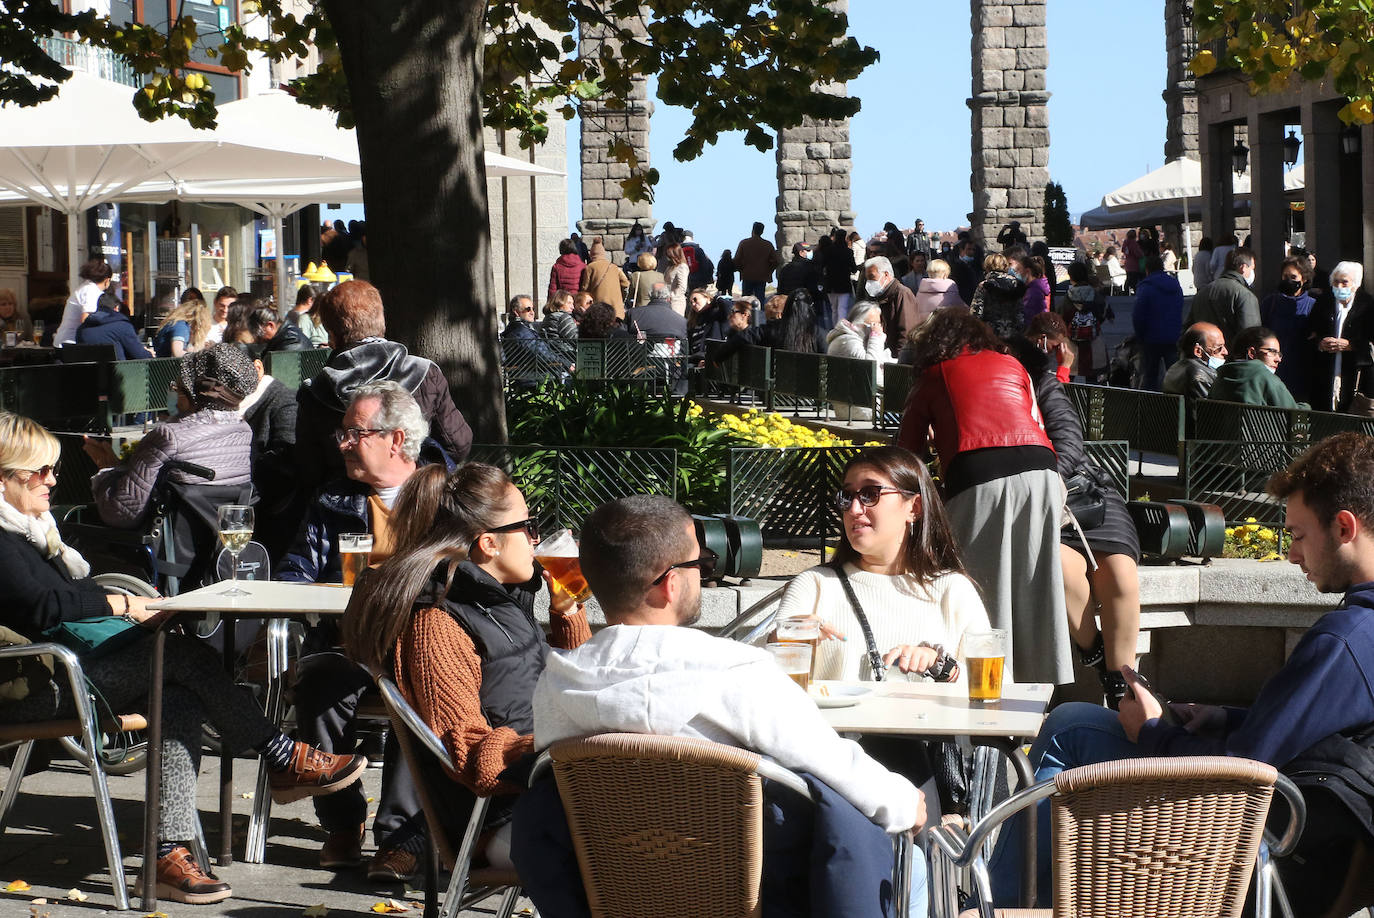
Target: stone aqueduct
[{"x": 1009, "y": 122}]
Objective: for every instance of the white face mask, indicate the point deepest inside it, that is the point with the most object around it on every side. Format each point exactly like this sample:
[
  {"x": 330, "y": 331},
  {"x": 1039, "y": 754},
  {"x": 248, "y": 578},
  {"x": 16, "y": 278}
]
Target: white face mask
[
  {"x": 1215, "y": 362},
  {"x": 873, "y": 287},
  {"x": 1271, "y": 369}
]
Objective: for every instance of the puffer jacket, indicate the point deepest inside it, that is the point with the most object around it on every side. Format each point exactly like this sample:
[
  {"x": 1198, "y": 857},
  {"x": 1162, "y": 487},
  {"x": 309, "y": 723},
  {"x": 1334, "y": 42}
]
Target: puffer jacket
[
  {"x": 566, "y": 274},
  {"x": 932, "y": 294},
  {"x": 559, "y": 325},
  {"x": 997, "y": 301},
  {"x": 220, "y": 440}
]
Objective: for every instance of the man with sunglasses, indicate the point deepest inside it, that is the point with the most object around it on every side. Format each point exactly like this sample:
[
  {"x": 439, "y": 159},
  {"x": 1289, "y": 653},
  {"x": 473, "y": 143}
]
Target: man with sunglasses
[
  {"x": 380, "y": 440},
  {"x": 648, "y": 672}
]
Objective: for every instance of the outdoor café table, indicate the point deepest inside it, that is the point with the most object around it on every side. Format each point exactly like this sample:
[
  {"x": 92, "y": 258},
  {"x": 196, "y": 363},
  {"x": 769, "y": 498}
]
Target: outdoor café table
[
  {"x": 268, "y": 599},
  {"x": 932, "y": 709}
]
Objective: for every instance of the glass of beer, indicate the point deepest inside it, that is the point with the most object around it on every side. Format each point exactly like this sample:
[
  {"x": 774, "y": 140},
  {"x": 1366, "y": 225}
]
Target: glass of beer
[
  {"x": 985, "y": 652},
  {"x": 558, "y": 555},
  {"x": 38, "y": 329},
  {"x": 801, "y": 631},
  {"x": 795, "y": 660},
  {"x": 354, "y": 550}
]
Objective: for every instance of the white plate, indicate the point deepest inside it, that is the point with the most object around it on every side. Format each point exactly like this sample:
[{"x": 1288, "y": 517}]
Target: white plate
[{"x": 840, "y": 696}]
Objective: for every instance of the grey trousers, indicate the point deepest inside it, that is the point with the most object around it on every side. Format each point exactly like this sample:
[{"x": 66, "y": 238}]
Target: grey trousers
[{"x": 195, "y": 691}]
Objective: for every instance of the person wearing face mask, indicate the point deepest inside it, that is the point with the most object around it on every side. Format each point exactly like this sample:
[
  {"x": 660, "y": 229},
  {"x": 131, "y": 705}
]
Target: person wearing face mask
[
  {"x": 801, "y": 273},
  {"x": 966, "y": 269},
  {"x": 1288, "y": 312},
  {"x": 1248, "y": 376},
  {"x": 859, "y": 335},
  {"x": 1341, "y": 332},
  {"x": 897, "y": 302},
  {"x": 1201, "y": 352},
  {"x": 1228, "y": 301}
]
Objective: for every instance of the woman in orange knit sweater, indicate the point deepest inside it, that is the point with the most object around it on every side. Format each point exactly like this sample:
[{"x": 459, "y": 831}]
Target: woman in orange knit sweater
[{"x": 450, "y": 615}]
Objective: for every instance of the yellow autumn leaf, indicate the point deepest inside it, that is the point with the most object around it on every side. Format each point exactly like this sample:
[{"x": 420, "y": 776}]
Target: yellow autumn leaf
[
  {"x": 316, "y": 911},
  {"x": 1203, "y": 63},
  {"x": 17, "y": 886},
  {"x": 389, "y": 906},
  {"x": 76, "y": 895}
]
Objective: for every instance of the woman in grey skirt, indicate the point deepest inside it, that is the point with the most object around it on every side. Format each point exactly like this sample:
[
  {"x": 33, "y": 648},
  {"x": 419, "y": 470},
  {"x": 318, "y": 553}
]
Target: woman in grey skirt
[{"x": 1000, "y": 484}]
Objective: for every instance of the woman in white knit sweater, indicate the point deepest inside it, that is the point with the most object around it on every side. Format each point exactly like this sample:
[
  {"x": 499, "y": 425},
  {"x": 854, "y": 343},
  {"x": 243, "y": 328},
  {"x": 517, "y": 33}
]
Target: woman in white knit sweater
[{"x": 898, "y": 553}]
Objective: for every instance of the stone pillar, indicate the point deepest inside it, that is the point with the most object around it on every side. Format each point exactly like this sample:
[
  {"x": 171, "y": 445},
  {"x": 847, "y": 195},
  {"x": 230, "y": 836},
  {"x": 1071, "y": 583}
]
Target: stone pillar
[
  {"x": 1011, "y": 136},
  {"x": 528, "y": 215},
  {"x": 1321, "y": 134},
  {"x": 814, "y": 168},
  {"x": 1180, "y": 95},
  {"x": 1218, "y": 194},
  {"x": 606, "y": 212},
  {"x": 1269, "y": 209}
]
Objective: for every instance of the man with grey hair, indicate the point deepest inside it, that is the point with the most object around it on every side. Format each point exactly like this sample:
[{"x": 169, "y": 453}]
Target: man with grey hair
[
  {"x": 895, "y": 299},
  {"x": 380, "y": 438}
]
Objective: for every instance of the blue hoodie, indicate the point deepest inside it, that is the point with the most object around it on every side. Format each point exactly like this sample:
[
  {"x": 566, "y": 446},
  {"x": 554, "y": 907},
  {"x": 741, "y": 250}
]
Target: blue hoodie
[
  {"x": 106, "y": 326},
  {"x": 1326, "y": 687},
  {"x": 1158, "y": 311}
]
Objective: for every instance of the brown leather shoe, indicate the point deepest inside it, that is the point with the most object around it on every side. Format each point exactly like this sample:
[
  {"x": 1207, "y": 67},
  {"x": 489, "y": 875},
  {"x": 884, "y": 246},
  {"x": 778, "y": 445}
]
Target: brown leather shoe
[
  {"x": 180, "y": 879},
  {"x": 392, "y": 865},
  {"x": 314, "y": 773},
  {"x": 342, "y": 849}
]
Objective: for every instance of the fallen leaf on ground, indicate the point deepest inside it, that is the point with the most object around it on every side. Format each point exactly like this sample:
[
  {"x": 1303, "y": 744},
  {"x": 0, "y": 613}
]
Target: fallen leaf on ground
[
  {"x": 59, "y": 861},
  {"x": 247, "y": 796},
  {"x": 17, "y": 886},
  {"x": 76, "y": 895},
  {"x": 156, "y": 915},
  {"x": 316, "y": 911},
  {"x": 38, "y": 902},
  {"x": 389, "y": 906}
]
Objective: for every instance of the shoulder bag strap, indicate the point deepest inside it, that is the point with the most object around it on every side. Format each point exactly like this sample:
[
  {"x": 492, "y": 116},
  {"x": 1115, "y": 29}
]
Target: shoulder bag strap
[{"x": 875, "y": 659}]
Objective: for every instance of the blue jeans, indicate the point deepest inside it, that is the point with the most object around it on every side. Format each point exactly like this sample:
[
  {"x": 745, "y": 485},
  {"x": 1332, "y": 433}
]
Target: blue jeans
[
  {"x": 1074, "y": 734},
  {"x": 753, "y": 288},
  {"x": 1154, "y": 360}
]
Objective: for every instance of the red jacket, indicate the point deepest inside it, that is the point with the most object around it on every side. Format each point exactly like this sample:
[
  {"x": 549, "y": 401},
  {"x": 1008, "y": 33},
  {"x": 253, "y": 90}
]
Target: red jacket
[
  {"x": 566, "y": 274},
  {"x": 975, "y": 401}
]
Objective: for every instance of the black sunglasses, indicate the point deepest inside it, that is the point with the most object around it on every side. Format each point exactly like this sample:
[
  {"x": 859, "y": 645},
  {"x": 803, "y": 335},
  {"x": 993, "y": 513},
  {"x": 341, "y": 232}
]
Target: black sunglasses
[
  {"x": 706, "y": 563},
  {"x": 868, "y": 495},
  {"x": 530, "y": 527}
]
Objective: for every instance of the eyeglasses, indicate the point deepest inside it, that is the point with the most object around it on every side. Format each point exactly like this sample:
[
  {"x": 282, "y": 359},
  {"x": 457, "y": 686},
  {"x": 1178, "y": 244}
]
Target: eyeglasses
[
  {"x": 706, "y": 564},
  {"x": 1214, "y": 350},
  {"x": 530, "y": 528},
  {"x": 868, "y": 495},
  {"x": 1277, "y": 352},
  {"x": 41, "y": 473},
  {"x": 352, "y": 436}
]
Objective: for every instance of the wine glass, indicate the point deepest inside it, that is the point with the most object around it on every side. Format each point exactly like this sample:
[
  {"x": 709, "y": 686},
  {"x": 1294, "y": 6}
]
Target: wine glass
[{"x": 235, "y": 529}]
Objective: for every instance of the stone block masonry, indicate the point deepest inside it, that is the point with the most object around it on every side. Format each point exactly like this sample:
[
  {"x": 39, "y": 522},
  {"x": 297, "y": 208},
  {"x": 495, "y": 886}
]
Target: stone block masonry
[{"x": 1009, "y": 116}]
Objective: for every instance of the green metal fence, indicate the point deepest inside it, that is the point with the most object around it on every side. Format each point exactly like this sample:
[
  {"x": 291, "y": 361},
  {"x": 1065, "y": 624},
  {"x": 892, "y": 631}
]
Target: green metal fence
[
  {"x": 1216, "y": 472},
  {"x": 143, "y": 385},
  {"x": 292, "y": 368},
  {"x": 789, "y": 491},
  {"x": 1149, "y": 421},
  {"x": 563, "y": 484},
  {"x": 528, "y": 362},
  {"x": 71, "y": 396},
  {"x": 1114, "y": 458}
]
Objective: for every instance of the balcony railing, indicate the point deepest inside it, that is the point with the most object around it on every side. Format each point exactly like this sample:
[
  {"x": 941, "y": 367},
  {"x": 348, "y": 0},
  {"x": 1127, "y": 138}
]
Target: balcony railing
[{"x": 99, "y": 62}]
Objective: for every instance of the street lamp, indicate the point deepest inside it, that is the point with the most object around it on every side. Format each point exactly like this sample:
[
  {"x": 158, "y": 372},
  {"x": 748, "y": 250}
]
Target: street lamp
[
  {"x": 1291, "y": 143},
  {"x": 1350, "y": 140},
  {"x": 1240, "y": 157}
]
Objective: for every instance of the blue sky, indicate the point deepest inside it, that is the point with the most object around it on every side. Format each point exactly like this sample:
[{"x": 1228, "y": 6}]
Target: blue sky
[{"x": 911, "y": 138}]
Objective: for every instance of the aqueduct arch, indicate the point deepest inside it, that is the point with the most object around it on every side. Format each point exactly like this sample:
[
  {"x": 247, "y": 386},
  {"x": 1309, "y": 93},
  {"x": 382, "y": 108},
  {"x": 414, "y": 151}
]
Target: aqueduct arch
[{"x": 1009, "y": 134}]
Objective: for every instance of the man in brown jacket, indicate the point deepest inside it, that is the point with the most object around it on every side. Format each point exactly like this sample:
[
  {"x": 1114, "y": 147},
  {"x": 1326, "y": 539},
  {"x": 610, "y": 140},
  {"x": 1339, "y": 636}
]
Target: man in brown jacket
[
  {"x": 755, "y": 259},
  {"x": 604, "y": 280}
]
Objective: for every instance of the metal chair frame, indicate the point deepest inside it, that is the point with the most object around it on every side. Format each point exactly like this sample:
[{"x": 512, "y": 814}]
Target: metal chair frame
[
  {"x": 459, "y": 895},
  {"x": 953, "y": 849}
]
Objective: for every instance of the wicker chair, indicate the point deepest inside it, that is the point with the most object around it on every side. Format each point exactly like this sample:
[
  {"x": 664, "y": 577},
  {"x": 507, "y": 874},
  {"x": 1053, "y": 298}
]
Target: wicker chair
[
  {"x": 466, "y": 885},
  {"x": 1161, "y": 837},
  {"x": 671, "y": 825}
]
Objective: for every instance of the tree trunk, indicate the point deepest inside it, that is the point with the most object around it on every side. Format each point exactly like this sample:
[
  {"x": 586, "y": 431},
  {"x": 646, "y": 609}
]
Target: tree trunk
[{"x": 414, "y": 74}]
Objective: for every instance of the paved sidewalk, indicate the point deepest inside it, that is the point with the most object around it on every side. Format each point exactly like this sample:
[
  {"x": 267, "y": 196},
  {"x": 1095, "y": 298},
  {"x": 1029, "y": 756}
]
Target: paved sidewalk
[{"x": 53, "y": 843}]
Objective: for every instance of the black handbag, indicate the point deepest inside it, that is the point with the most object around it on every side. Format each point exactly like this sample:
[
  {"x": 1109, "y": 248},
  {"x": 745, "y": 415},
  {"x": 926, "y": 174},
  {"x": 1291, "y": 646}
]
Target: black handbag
[{"x": 1086, "y": 495}]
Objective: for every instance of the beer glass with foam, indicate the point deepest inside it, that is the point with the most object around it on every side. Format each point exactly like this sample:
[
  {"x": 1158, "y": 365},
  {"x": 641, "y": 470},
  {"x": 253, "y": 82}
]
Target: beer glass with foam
[
  {"x": 558, "y": 555},
  {"x": 801, "y": 631},
  {"x": 354, "y": 551},
  {"x": 795, "y": 660},
  {"x": 985, "y": 652}
]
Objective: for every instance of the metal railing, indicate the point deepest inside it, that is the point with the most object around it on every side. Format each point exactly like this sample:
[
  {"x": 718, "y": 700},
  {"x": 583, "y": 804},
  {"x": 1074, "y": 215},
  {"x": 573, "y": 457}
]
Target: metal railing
[
  {"x": 789, "y": 491},
  {"x": 1216, "y": 472},
  {"x": 100, "y": 62}
]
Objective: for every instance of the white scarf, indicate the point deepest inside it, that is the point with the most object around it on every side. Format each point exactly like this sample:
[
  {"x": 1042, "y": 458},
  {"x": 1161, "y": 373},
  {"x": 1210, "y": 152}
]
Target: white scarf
[{"x": 41, "y": 533}]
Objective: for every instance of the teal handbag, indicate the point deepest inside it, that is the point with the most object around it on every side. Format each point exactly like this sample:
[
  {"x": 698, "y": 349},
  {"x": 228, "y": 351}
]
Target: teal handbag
[{"x": 96, "y": 637}]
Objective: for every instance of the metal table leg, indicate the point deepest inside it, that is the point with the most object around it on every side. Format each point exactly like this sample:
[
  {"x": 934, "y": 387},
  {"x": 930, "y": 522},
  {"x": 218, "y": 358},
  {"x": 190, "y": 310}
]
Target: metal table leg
[
  {"x": 152, "y": 787},
  {"x": 1025, "y": 777},
  {"x": 226, "y": 760},
  {"x": 278, "y": 633}
]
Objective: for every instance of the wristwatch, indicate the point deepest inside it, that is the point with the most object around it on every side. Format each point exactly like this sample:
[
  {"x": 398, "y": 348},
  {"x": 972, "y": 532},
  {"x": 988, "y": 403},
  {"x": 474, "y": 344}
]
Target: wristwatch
[{"x": 945, "y": 665}]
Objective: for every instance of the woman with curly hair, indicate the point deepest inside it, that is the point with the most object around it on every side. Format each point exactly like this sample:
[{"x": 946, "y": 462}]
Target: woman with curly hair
[
  {"x": 600, "y": 321},
  {"x": 1000, "y": 483}
]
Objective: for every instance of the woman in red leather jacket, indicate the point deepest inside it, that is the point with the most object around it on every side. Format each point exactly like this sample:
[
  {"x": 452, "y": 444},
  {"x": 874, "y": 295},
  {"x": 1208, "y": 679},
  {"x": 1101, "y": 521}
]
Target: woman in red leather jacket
[{"x": 1000, "y": 483}]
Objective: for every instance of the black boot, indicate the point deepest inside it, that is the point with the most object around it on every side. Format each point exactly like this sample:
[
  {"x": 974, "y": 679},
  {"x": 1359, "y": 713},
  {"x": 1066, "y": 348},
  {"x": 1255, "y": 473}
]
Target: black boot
[
  {"x": 1113, "y": 688},
  {"x": 1095, "y": 656}
]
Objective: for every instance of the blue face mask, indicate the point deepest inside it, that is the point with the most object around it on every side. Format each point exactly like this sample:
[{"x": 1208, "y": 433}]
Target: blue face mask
[
  {"x": 966, "y": 259},
  {"x": 1343, "y": 294},
  {"x": 1016, "y": 274}
]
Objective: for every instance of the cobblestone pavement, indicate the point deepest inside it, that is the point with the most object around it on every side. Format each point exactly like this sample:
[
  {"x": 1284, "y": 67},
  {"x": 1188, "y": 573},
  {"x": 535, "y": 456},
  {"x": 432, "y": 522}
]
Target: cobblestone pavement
[{"x": 53, "y": 843}]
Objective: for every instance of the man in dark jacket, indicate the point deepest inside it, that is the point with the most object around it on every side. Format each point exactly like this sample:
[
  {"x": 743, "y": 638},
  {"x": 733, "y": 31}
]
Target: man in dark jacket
[
  {"x": 657, "y": 319},
  {"x": 1201, "y": 352},
  {"x": 275, "y": 335},
  {"x": 270, "y": 410},
  {"x": 382, "y": 434},
  {"x": 1228, "y": 302},
  {"x": 801, "y": 273},
  {"x": 107, "y": 325},
  {"x": 966, "y": 270},
  {"x": 894, "y": 298},
  {"x": 352, "y": 312},
  {"x": 1294, "y": 718},
  {"x": 530, "y": 356},
  {"x": 1157, "y": 317}
]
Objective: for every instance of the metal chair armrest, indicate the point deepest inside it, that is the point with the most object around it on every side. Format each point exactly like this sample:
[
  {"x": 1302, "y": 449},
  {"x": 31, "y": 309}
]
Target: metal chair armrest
[
  {"x": 961, "y": 849},
  {"x": 731, "y": 630},
  {"x": 1297, "y": 820},
  {"x": 541, "y": 765},
  {"x": 398, "y": 706}
]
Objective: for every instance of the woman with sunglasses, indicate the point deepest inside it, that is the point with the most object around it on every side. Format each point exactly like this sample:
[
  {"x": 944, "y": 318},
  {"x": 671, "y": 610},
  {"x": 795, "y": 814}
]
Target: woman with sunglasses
[{"x": 450, "y": 616}]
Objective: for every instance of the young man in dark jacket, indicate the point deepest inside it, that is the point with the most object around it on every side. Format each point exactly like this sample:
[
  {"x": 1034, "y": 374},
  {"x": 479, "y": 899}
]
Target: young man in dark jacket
[
  {"x": 107, "y": 325},
  {"x": 1313, "y": 718}
]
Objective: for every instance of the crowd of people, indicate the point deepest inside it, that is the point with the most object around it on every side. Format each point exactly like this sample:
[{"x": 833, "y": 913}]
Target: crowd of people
[{"x": 375, "y": 444}]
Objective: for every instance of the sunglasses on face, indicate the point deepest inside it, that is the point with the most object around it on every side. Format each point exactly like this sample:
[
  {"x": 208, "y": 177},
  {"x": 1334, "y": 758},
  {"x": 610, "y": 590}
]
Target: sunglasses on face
[
  {"x": 706, "y": 564},
  {"x": 868, "y": 496},
  {"x": 529, "y": 527},
  {"x": 41, "y": 473}
]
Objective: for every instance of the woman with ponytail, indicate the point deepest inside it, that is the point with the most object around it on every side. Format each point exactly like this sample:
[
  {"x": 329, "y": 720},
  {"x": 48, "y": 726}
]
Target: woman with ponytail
[{"x": 450, "y": 617}]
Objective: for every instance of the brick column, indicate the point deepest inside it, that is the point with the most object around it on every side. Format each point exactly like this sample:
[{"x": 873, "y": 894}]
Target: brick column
[
  {"x": 1010, "y": 117},
  {"x": 606, "y": 212},
  {"x": 1180, "y": 93}
]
